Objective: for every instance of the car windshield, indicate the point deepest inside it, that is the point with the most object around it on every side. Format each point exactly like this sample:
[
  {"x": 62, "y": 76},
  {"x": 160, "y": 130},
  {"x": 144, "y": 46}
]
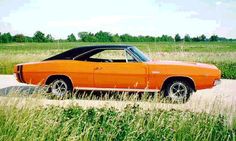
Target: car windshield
[{"x": 139, "y": 54}]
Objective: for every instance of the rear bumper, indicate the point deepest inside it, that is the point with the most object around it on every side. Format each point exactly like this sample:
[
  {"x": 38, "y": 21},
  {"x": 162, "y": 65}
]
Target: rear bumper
[{"x": 19, "y": 73}]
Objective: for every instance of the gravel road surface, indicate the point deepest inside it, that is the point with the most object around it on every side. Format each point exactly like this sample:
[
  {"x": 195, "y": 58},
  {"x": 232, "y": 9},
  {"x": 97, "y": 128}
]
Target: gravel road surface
[{"x": 221, "y": 98}]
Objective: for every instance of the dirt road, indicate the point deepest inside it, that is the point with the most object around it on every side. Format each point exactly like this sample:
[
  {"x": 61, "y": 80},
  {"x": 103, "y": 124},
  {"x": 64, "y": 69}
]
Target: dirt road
[{"x": 221, "y": 98}]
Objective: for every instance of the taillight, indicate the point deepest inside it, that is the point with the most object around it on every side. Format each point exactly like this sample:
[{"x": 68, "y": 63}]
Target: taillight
[
  {"x": 18, "y": 68},
  {"x": 19, "y": 73}
]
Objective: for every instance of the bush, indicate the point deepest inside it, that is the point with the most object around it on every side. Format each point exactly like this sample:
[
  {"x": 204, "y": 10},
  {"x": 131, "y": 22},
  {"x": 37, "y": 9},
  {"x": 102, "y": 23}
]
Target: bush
[
  {"x": 71, "y": 38},
  {"x": 228, "y": 69}
]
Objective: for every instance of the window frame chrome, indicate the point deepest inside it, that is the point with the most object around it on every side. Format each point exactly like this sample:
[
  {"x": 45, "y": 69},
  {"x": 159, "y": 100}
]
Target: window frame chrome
[{"x": 125, "y": 49}]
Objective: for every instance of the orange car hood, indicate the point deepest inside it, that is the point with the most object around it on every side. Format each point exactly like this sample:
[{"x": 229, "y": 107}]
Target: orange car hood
[{"x": 181, "y": 63}]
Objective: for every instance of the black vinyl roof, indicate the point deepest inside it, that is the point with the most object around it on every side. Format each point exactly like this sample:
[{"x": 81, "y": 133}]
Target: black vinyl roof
[{"x": 70, "y": 54}]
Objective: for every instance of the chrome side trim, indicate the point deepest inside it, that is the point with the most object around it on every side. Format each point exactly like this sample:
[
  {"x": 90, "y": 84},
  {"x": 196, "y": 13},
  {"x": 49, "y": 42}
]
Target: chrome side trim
[
  {"x": 130, "y": 53},
  {"x": 156, "y": 72},
  {"x": 133, "y": 55},
  {"x": 117, "y": 89}
]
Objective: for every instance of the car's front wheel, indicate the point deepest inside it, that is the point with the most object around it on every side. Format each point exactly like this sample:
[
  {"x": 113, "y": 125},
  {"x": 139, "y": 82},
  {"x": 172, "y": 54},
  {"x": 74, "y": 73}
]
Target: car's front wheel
[{"x": 178, "y": 91}]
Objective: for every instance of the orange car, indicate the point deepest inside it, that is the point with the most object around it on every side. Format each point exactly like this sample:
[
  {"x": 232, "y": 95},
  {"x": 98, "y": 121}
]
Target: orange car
[{"x": 119, "y": 68}]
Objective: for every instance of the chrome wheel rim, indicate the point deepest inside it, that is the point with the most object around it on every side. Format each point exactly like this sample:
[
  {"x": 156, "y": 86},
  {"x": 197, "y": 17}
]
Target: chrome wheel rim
[
  {"x": 178, "y": 92},
  {"x": 59, "y": 88}
]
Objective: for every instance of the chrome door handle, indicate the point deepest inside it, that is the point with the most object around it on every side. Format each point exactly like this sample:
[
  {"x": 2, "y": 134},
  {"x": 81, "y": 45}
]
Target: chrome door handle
[{"x": 97, "y": 68}]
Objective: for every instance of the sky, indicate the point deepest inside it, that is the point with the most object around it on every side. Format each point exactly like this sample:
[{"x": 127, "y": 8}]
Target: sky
[{"x": 136, "y": 17}]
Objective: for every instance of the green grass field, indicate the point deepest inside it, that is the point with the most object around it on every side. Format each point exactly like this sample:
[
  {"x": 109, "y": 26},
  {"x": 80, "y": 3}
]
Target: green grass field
[
  {"x": 222, "y": 54},
  {"x": 132, "y": 123}
]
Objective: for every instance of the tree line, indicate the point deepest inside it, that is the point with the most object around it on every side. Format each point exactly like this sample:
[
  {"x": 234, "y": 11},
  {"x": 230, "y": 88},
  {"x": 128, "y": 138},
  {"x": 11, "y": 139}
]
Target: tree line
[
  {"x": 38, "y": 37},
  {"x": 102, "y": 36}
]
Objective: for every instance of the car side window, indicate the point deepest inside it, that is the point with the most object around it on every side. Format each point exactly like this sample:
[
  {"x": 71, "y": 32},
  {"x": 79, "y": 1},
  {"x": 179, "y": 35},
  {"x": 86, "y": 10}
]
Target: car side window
[
  {"x": 111, "y": 56},
  {"x": 129, "y": 57}
]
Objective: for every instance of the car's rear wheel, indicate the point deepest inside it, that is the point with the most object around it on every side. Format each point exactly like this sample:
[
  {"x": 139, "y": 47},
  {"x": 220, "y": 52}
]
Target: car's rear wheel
[
  {"x": 60, "y": 87},
  {"x": 178, "y": 91}
]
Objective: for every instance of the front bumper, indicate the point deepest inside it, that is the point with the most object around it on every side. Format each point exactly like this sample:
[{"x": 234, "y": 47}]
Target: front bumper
[{"x": 217, "y": 82}]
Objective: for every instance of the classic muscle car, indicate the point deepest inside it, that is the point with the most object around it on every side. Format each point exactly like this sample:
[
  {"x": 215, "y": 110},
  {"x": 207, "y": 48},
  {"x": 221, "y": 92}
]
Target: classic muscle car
[{"x": 119, "y": 68}]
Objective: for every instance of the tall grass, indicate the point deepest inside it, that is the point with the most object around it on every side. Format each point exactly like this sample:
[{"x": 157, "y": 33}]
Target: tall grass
[
  {"x": 132, "y": 123},
  {"x": 76, "y": 123},
  {"x": 27, "y": 115}
]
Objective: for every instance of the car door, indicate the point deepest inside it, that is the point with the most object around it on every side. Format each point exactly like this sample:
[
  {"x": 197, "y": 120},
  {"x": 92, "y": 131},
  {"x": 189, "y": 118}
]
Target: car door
[
  {"x": 82, "y": 73},
  {"x": 120, "y": 72}
]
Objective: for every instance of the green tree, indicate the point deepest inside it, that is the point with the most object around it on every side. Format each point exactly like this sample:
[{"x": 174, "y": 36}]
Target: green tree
[
  {"x": 165, "y": 38},
  {"x": 49, "y": 38},
  {"x": 126, "y": 38},
  {"x": 177, "y": 38},
  {"x": 0, "y": 37},
  {"x": 202, "y": 37},
  {"x": 103, "y": 36},
  {"x": 28, "y": 39},
  {"x": 214, "y": 38},
  {"x": 87, "y": 37},
  {"x": 39, "y": 37},
  {"x": 71, "y": 38},
  {"x": 116, "y": 38},
  {"x": 91, "y": 38},
  {"x": 19, "y": 38},
  {"x": 223, "y": 39},
  {"x": 145, "y": 39},
  {"x": 187, "y": 38},
  {"x": 83, "y": 35},
  {"x": 6, "y": 38},
  {"x": 196, "y": 39}
]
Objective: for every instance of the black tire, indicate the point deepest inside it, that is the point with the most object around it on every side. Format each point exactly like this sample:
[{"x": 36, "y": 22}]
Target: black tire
[
  {"x": 68, "y": 88},
  {"x": 181, "y": 95}
]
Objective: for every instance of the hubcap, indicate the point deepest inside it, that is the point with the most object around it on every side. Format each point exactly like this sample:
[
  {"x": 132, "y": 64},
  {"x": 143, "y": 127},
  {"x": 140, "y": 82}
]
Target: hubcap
[
  {"x": 178, "y": 91},
  {"x": 59, "y": 88}
]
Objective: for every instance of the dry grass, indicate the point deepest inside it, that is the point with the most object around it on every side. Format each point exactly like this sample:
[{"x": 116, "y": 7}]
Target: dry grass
[
  {"x": 211, "y": 104},
  {"x": 112, "y": 119},
  {"x": 195, "y": 56}
]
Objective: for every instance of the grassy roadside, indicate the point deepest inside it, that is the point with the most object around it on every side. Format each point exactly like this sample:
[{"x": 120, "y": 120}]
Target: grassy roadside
[
  {"x": 222, "y": 54},
  {"x": 119, "y": 117},
  {"x": 76, "y": 123}
]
